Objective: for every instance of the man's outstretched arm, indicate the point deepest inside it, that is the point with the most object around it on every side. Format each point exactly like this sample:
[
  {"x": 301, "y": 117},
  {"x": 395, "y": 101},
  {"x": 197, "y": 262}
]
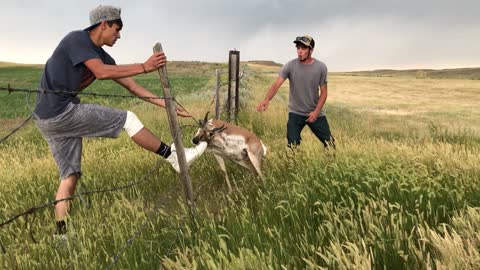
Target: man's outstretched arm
[
  {"x": 263, "y": 105},
  {"x": 104, "y": 72}
]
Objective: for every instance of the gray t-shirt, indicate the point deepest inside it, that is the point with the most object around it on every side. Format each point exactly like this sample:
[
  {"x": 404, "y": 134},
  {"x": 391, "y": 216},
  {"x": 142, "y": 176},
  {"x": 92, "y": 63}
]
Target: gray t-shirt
[
  {"x": 65, "y": 71},
  {"x": 305, "y": 80}
]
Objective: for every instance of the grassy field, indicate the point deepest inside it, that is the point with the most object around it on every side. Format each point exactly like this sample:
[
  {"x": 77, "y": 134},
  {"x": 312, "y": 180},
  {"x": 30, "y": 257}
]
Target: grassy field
[
  {"x": 458, "y": 73},
  {"x": 401, "y": 191}
]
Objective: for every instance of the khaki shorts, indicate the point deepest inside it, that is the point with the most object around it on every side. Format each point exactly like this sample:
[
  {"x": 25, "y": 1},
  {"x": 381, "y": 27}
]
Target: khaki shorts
[{"x": 65, "y": 131}]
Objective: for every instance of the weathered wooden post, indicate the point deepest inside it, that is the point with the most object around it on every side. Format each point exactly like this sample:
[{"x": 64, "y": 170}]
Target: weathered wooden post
[
  {"x": 233, "y": 78},
  {"x": 217, "y": 95},
  {"x": 170, "y": 106},
  {"x": 217, "y": 116}
]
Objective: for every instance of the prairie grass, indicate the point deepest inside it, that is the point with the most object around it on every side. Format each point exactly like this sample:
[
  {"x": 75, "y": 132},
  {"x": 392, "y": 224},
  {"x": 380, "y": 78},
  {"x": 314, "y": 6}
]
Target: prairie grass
[{"x": 400, "y": 192}]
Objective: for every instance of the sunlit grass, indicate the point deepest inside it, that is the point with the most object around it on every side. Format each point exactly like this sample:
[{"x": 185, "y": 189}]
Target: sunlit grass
[{"x": 401, "y": 191}]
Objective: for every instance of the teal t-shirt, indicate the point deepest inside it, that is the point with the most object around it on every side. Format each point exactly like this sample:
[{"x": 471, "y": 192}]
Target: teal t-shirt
[{"x": 305, "y": 80}]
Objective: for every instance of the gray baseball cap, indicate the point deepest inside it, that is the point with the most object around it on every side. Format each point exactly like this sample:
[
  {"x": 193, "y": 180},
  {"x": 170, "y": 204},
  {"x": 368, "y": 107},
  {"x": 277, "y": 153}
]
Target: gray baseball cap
[{"x": 103, "y": 13}]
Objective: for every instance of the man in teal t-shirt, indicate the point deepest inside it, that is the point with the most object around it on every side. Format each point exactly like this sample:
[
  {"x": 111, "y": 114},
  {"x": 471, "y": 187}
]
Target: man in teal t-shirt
[
  {"x": 64, "y": 121},
  {"x": 307, "y": 77}
]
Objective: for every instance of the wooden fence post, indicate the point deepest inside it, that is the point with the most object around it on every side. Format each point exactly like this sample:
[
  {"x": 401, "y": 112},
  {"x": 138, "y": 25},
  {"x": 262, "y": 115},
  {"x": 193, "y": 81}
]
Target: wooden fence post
[
  {"x": 233, "y": 79},
  {"x": 170, "y": 106},
  {"x": 217, "y": 95}
]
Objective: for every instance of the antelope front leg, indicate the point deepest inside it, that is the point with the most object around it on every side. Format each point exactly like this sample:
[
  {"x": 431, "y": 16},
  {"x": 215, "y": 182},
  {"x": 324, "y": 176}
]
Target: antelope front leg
[{"x": 221, "y": 162}]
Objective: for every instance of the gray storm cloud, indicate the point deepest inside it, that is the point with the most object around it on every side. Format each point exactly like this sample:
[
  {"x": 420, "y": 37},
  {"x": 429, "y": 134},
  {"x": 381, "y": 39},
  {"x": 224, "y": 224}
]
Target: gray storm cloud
[{"x": 351, "y": 35}]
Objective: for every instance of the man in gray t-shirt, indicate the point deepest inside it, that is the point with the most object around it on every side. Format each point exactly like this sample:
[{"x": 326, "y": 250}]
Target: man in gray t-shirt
[{"x": 307, "y": 77}]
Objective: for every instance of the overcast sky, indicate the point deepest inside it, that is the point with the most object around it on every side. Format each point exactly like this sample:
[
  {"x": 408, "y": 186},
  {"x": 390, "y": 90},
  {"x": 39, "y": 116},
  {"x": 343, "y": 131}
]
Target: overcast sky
[{"x": 349, "y": 34}]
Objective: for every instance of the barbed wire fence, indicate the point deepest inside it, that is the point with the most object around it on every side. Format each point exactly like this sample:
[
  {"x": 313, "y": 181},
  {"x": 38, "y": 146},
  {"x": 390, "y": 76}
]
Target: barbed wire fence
[
  {"x": 10, "y": 90},
  {"x": 32, "y": 210}
]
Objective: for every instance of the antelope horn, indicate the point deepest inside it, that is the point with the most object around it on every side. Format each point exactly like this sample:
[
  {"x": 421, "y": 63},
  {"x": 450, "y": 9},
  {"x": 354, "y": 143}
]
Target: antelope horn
[
  {"x": 206, "y": 118},
  {"x": 219, "y": 129}
]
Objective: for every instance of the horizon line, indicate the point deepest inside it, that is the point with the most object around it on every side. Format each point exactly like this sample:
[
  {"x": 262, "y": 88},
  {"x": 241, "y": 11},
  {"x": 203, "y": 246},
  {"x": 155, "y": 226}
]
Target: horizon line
[{"x": 274, "y": 62}]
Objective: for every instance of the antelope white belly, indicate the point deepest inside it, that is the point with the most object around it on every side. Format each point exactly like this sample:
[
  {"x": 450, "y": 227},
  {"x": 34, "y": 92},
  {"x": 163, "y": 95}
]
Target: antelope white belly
[{"x": 229, "y": 146}]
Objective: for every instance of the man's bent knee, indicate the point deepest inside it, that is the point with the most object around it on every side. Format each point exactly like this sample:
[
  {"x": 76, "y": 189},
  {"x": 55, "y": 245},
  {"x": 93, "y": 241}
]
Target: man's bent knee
[{"x": 132, "y": 124}]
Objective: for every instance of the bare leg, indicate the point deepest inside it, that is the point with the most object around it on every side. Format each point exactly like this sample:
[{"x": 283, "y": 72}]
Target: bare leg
[
  {"x": 65, "y": 190},
  {"x": 146, "y": 139}
]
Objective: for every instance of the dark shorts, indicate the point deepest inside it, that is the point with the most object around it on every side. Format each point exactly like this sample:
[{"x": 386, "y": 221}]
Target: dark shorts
[
  {"x": 64, "y": 132},
  {"x": 297, "y": 122}
]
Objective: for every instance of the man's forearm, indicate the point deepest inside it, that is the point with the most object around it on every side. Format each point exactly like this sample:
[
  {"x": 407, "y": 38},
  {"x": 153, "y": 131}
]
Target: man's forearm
[
  {"x": 271, "y": 93},
  {"x": 322, "y": 99},
  {"x": 274, "y": 88},
  {"x": 119, "y": 71},
  {"x": 139, "y": 91}
]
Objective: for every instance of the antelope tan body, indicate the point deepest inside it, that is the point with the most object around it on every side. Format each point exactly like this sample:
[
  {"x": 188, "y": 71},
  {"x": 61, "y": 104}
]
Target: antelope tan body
[{"x": 232, "y": 142}]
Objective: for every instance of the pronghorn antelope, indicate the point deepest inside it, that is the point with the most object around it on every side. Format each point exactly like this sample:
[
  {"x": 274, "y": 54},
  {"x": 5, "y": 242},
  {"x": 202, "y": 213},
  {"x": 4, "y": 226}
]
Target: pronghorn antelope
[{"x": 232, "y": 142}]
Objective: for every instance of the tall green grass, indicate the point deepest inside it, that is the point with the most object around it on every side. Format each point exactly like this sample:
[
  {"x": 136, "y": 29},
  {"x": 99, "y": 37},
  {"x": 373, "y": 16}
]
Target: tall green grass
[{"x": 400, "y": 192}]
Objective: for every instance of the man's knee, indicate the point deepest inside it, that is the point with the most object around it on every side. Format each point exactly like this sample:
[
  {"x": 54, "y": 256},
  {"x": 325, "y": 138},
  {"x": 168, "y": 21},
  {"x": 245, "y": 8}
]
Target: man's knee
[
  {"x": 132, "y": 124},
  {"x": 67, "y": 185}
]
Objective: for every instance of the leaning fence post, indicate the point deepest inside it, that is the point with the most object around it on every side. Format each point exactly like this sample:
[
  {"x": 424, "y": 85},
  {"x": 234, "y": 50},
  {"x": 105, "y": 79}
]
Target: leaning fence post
[{"x": 176, "y": 134}]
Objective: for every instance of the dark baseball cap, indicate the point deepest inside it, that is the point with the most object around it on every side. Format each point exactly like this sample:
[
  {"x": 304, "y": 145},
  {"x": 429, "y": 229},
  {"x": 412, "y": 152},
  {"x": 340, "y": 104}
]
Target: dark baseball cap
[
  {"x": 305, "y": 40},
  {"x": 103, "y": 13}
]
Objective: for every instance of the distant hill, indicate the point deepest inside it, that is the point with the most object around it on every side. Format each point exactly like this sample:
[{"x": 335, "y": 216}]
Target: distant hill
[
  {"x": 457, "y": 73},
  {"x": 9, "y": 64},
  {"x": 265, "y": 63},
  {"x": 187, "y": 66}
]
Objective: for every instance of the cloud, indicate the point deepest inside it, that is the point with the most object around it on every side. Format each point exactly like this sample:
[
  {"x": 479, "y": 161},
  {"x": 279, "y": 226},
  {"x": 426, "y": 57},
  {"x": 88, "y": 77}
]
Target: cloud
[{"x": 350, "y": 34}]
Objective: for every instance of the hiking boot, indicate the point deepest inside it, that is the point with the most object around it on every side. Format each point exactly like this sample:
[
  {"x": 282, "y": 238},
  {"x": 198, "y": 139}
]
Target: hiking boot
[{"x": 191, "y": 154}]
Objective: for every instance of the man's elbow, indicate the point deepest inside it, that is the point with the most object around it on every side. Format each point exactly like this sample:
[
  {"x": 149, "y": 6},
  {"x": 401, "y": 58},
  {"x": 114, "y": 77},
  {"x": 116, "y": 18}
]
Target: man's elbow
[{"x": 101, "y": 75}]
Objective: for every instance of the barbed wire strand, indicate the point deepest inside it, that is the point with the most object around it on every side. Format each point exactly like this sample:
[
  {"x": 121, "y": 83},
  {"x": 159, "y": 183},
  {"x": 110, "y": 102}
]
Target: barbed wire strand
[
  {"x": 142, "y": 227},
  {"x": 73, "y": 93},
  {"x": 13, "y": 131},
  {"x": 10, "y": 89},
  {"x": 34, "y": 209},
  {"x": 90, "y": 192},
  {"x": 2, "y": 247},
  {"x": 137, "y": 233},
  {"x": 132, "y": 238}
]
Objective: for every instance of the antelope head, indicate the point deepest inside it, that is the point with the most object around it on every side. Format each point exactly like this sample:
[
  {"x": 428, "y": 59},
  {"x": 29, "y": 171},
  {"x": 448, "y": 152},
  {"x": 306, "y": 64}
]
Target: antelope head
[{"x": 206, "y": 131}]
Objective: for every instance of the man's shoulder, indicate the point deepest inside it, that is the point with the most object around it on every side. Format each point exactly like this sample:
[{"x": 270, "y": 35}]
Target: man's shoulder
[
  {"x": 320, "y": 63},
  {"x": 291, "y": 64},
  {"x": 76, "y": 35},
  {"x": 293, "y": 61}
]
